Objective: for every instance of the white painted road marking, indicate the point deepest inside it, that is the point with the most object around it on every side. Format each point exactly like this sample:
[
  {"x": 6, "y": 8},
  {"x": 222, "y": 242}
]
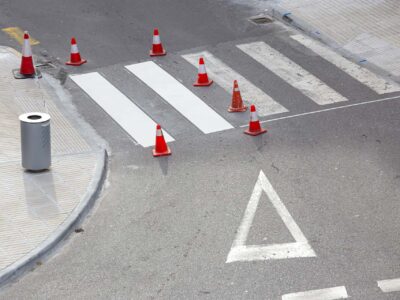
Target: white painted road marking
[
  {"x": 130, "y": 117},
  {"x": 329, "y": 109},
  {"x": 224, "y": 76},
  {"x": 182, "y": 99},
  {"x": 242, "y": 252},
  {"x": 365, "y": 76},
  {"x": 389, "y": 285},
  {"x": 334, "y": 293},
  {"x": 291, "y": 72}
]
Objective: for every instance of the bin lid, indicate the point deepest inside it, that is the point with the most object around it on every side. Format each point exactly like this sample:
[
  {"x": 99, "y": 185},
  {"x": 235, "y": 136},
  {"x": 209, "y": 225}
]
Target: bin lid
[{"x": 34, "y": 117}]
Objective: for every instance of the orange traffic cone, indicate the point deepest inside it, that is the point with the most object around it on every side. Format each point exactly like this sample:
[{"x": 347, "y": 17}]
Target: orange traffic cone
[
  {"x": 237, "y": 102},
  {"x": 75, "y": 58},
  {"x": 161, "y": 148},
  {"x": 157, "y": 49},
  {"x": 27, "y": 69},
  {"x": 254, "y": 125},
  {"x": 202, "y": 77}
]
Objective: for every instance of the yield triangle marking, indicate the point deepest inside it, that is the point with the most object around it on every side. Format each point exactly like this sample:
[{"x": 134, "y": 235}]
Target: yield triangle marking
[{"x": 242, "y": 252}]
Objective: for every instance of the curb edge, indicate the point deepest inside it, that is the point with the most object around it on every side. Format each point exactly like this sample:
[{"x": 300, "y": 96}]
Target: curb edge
[
  {"x": 286, "y": 17},
  {"x": 62, "y": 231}
]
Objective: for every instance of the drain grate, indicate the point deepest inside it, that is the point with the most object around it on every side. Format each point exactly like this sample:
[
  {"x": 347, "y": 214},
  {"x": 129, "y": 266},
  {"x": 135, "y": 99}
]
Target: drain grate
[{"x": 261, "y": 20}]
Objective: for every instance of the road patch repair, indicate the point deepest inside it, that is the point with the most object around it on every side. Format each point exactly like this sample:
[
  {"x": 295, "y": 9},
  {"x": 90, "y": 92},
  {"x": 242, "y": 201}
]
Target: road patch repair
[{"x": 38, "y": 209}]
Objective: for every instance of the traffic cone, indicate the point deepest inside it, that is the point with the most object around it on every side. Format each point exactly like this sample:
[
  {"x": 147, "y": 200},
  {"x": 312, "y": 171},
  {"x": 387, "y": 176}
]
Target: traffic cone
[
  {"x": 157, "y": 49},
  {"x": 161, "y": 148},
  {"x": 254, "y": 124},
  {"x": 75, "y": 58},
  {"x": 237, "y": 102},
  {"x": 27, "y": 69},
  {"x": 202, "y": 77}
]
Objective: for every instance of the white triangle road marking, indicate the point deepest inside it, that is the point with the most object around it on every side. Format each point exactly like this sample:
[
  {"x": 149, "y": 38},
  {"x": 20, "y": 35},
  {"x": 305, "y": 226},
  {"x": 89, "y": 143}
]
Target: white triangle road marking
[{"x": 242, "y": 252}]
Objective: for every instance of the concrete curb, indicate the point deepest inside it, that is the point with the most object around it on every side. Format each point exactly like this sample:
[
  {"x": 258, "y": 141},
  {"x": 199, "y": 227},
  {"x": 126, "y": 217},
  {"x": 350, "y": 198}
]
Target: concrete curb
[
  {"x": 98, "y": 149},
  {"x": 65, "y": 228},
  {"x": 285, "y": 16}
]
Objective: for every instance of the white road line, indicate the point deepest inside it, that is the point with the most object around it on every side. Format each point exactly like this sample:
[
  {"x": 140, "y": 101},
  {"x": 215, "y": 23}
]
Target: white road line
[
  {"x": 328, "y": 109},
  {"x": 291, "y": 72},
  {"x": 334, "y": 293},
  {"x": 389, "y": 285},
  {"x": 176, "y": 94},
  {"x": 224, "y": 76},
  {"x": 365, "y": 76},
  {"x": 242, "y": 252},
  {"x": 130, "y": 117}
]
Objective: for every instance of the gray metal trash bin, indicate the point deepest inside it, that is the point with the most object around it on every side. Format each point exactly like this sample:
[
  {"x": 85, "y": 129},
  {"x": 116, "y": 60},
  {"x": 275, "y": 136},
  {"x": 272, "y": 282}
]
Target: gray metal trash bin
[{"x": 35, "y": 141}]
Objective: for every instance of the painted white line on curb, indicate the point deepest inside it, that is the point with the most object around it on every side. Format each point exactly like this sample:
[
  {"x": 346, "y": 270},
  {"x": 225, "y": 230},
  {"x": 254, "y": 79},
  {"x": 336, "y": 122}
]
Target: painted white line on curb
[
  {"x": 389, "y": 285},
  {"x": 363, "y": 75},
  {"x": 292, "y": 73},
  {"x": 328, "y": 109},
  {"x": 224, "y": 76},
  {"x": 334, "y": 293},
  {"x": 242, "y": 252},
  {"x": 130, "y": 117},
  {"x": 181, "y": 98}
]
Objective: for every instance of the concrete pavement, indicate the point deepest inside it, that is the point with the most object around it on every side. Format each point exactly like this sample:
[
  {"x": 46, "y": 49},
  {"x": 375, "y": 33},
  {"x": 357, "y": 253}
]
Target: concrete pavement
[
  {"x": 366, "y": 30},
  {"x": 37, "y": 210}
]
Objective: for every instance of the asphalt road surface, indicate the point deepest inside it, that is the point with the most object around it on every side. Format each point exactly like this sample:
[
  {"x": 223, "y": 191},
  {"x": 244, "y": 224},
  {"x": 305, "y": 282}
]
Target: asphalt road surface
[{"x": 310, "y": 205}]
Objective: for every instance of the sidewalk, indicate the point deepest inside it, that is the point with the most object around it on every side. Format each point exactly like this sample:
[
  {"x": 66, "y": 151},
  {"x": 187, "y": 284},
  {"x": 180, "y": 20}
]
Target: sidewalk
[
  {"x": 38, "y": 209},
  {"x": 366, "y": 30}
]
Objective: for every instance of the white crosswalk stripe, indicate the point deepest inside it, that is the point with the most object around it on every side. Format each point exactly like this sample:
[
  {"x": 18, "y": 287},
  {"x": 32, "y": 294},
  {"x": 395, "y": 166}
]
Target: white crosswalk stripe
[
  {"x": 224, "y": 76},
  {"x": 181, "y": 98},
  {"x": 334, "y": 293},
  {"x": 389, "y": 285},
  {"x": 366, "y": 77},
  {"x": 130, "y": 117},
  {"x": 292, "y": 73}
]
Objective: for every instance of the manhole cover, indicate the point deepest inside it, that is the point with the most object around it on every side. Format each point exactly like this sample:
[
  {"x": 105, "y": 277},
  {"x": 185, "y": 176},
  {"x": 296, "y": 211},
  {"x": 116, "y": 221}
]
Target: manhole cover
[{"x": 261, "y": 20}]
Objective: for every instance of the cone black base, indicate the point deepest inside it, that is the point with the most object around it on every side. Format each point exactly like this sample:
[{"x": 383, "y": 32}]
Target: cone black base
[
  {"x": 254, "y": 133},
  {"x": 156, "y": 154},
  {"x": 18, "y": 75}
]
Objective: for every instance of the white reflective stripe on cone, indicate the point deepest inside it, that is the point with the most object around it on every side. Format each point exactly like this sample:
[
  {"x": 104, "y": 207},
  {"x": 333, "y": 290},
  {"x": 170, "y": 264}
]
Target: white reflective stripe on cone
[
  {"x": 74, "y": 48},
  {"x": 236, "y": 89},
  {"x": 253, "y": 116},
  {"x": 26, "y": 49},
  {"x": 159, "y": 132},
  {"x": 202, "y": 69},
  {"x": 156, "y": 39}
]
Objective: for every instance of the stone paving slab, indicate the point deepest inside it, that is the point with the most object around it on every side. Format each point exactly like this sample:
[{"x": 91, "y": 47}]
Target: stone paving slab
[
  {"x": 369, "y": 29},
  {"x": 37, "y": 209}
]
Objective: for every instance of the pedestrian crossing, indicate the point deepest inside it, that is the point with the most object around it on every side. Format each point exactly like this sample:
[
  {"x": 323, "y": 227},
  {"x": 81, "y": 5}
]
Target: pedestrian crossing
[
  {"x": 223, "y": 75},
  {"x": 130, "y": 117},
  {"x": 363, "y": 75},
  {"x": 292, "y": 73},
  {"x": 181, "y": 98},
  {"x": 199, "y": 111}
]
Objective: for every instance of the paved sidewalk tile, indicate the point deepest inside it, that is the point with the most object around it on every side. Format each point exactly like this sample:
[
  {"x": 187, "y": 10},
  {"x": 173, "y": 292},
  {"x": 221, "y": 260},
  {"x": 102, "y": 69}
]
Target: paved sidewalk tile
[
  {"x": 367, "y": 28},
  {"x": 34, "y": 205}
]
